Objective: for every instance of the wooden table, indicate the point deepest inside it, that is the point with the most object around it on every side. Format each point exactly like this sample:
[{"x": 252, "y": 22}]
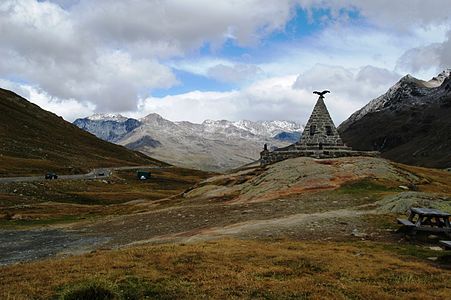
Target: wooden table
[{"x": 427, "y": 220}]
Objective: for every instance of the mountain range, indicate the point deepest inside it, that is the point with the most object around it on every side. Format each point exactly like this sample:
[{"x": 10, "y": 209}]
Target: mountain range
[
  {"x": 410, "y": 123},
  {"x": 211, "y": 145}
]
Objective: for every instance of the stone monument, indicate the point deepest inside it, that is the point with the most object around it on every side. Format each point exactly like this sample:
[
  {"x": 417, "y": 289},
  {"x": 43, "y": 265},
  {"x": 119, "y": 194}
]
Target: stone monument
[{"x": 320, "y": 139}]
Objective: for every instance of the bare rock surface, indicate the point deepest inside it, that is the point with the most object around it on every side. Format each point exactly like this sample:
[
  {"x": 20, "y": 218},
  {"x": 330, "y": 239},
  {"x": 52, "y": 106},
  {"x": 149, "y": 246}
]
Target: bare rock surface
[
  {"x": 300, "y": 175},
  {"x": 400, "y": 203}
]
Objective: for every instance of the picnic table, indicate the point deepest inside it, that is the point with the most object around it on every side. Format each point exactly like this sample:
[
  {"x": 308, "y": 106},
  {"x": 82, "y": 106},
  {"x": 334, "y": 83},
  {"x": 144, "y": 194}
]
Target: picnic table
[
  {"x": 446, "y": 244},
  {"x": 426, "y": 220}
]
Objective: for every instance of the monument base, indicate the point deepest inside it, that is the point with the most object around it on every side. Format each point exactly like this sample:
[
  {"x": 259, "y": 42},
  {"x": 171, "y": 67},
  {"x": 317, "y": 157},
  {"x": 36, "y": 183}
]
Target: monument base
[{"x": 267, "y": 157}]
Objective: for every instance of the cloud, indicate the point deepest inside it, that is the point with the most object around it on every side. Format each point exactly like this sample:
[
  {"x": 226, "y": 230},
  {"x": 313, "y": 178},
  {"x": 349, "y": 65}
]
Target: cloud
[
  {"x": 110, "y": 52},
  {"x": 376, "y": 77},
  {"x": 420, "y": 58},
  {"x": 400, "y": 14},
  {"x": 185, "y": 24},
  {"x": 445, "y": 52},
  {"x": 433, "y": 57},
  {"x": 267, "y": 99},
  {"x": 279, "y": 98},
  {"x": 356, "y": 85},
  {"x": 236, "y": 73},
  {"x": 69, "y": 108},
  {"x": 108, "y": 55},
  {"x": 44, "y": 46}
]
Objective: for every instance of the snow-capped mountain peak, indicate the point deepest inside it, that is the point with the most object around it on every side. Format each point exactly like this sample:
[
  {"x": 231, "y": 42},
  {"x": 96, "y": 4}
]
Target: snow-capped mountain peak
[
  {"x": 213, "y": 144},
  {"x": 268, "y": 128},
  {"x": 107, "y": 117},
  {"x": 408, "y": 91}
]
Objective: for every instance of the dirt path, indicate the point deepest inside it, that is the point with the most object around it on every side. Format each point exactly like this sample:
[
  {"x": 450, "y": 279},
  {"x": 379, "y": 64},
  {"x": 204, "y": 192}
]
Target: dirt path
[
  {"x": 259, "y": 228},
  {"x": 26, "y": 245},
  {"x": 177, "y": 224}
]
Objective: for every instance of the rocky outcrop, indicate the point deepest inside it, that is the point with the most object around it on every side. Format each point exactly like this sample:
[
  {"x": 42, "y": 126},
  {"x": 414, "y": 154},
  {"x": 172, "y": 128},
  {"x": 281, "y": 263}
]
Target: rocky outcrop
[
  {"x": 110, "y": 128},
  {"x": 293, "y": 177}
]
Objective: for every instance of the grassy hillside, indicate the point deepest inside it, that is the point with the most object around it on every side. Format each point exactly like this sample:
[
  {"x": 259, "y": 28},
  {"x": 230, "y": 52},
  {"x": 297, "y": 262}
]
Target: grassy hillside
[{"x": 33, "y": 141}]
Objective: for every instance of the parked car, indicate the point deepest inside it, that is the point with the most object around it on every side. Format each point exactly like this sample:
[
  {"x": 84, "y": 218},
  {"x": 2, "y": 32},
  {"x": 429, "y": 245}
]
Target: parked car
[
  {"x": 143, "y": 175},
  {"x": 51, "y": 175}
]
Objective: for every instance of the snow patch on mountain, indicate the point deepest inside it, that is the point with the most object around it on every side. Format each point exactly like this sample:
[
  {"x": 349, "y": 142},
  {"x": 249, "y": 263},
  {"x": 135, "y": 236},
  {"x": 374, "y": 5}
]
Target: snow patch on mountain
[{"x": 108, "y": 117}]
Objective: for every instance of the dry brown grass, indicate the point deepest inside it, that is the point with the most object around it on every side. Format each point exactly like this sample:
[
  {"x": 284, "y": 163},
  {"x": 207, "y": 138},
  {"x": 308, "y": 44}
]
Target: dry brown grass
[
  {"x": 431, "y": 180},
  {"x": 51, "y": 202},
  {"x": 230, "y": 269}
]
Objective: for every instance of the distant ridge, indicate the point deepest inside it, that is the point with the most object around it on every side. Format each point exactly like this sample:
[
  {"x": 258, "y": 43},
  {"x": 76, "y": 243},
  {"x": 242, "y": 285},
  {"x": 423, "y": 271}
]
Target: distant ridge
[
  {"x": 410, "y": 123},
  {"x": 33, "y": 141},
  {"x": 212, "y": 145}
]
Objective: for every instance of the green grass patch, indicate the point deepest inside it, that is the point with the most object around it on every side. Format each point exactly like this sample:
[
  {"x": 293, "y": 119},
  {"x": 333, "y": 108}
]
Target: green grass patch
[
  {"x": 93, "y": 289},
  {"x": 364, "y": 186},
  {"x": 417, "y": 251},
  {"x": 129, "y": 288}
]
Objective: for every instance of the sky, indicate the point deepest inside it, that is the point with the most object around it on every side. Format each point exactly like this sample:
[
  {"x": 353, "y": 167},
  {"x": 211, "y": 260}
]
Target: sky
[{"x": 225, "y": 59}]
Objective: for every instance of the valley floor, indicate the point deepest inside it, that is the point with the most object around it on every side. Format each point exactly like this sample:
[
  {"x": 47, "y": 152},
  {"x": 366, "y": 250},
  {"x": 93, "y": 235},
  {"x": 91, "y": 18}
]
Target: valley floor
[{"x": 309, "y": 233}]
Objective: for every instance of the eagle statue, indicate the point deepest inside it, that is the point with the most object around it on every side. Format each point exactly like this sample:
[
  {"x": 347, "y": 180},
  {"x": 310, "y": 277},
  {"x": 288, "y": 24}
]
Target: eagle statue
[{"x": 321, "y": 94}]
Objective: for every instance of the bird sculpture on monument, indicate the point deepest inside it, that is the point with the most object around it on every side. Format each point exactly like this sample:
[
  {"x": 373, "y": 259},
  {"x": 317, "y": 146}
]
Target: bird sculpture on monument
[{"x": 321, "y": 94}]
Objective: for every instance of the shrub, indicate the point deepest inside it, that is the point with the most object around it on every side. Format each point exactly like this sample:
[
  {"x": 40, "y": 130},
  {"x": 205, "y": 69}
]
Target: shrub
[{"x": 91, "y": 290}]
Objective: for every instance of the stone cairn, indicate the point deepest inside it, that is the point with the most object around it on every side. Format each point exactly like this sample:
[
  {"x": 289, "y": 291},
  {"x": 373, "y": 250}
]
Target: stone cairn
[{"x": 320, "y": 139}]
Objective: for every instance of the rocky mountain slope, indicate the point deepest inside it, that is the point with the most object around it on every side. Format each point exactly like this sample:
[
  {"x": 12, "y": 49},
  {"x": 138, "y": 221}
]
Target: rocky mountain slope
[
  {"x": 33, "y": 141},
  {"x": 212, "y": 145},
  {"x": 108, "y": 127},
  {"x": 410, "y": 123}
]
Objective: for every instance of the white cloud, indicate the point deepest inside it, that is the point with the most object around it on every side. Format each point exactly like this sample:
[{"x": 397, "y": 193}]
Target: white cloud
[
  {"x": 351, "y": 88},
  {"x": 237, "y": 73},
  {"x": 70, "y": 109},
  {"x": 428, "y": 59},
  {"x": 43, "y": 45},
  {"x": 186, "y": 23},
  {"x": 265, "y": 99},
  {"x": 105, "y": 55},
  {"x": 109, "y": 52},
  {"x": 286, "y": 97},
  {"x": 420, "y": 58}
]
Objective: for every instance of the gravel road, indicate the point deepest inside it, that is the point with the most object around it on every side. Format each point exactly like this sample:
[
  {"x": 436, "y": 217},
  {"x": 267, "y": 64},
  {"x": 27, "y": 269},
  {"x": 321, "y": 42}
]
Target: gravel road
[{"x": 94, "y": 174}]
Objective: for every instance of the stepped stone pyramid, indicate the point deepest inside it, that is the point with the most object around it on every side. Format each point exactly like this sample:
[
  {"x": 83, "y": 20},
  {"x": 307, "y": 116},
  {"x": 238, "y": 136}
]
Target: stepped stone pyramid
[
  {"x": 320, "y": 139},
  {"x": 320, "y": 130}
]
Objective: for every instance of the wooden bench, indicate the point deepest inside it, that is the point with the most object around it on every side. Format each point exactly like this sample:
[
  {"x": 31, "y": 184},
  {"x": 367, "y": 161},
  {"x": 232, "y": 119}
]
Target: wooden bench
[{"x": 446, "y": 244}]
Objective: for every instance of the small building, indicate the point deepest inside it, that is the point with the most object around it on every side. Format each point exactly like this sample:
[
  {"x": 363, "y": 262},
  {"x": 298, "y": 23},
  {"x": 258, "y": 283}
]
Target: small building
[{"x": 143, "y": 175}]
